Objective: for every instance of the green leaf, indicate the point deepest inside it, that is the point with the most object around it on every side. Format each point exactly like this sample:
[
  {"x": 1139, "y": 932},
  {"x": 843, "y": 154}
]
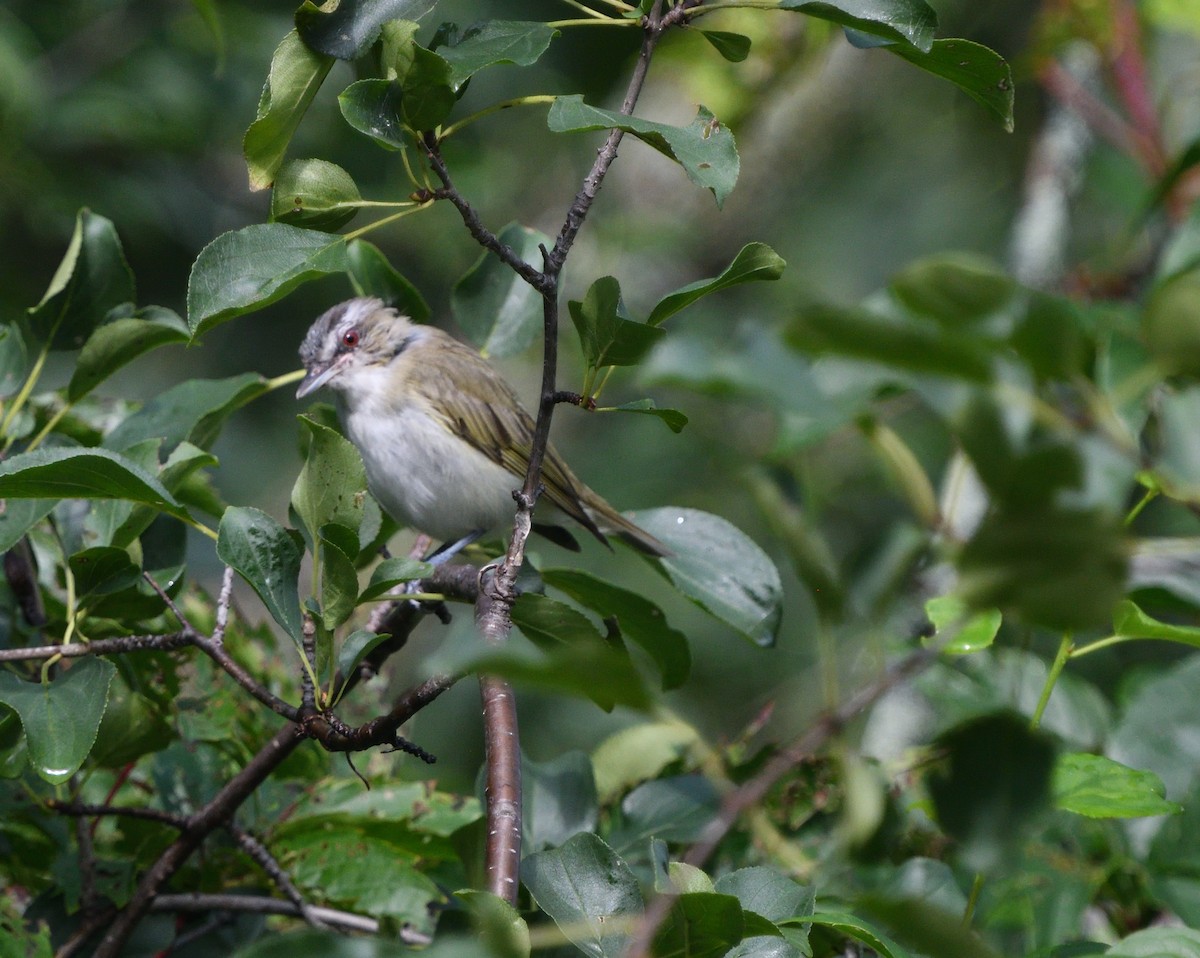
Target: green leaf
[
  {"x": 584, "y": 886},
  {"x": 372, "y": 275},
  {"x": 558, "y": 800},
  {"x": 496, "y": 41},
  {"x": 912, "y": 21},
  {"x": 72, "y": 473},
  {"x": 18, "y": 516},
  {"x": 673, "y": 418},
  {"x": 132, "y": 727},
  {"x": 972, "y": 633},
  {"x": 1158, "y": 943},
  {"x": 339, "y": 580},
  {"x": 754, "y": 262},
  {"x": 980, "y": 72},
  {"x": 373, "y": 108},
  {"x": 14, "y": 360},
  {"x": 193, "y": 411},
  {"x": 896, "y": 343},
  {"x": 253, "y": 267},
  {"x": 314, "y": 194},
  {"x": 345, "y": 30},
  {"x": 1098, "y": 787},
  {"x": 854, "y": 927},
  {"x": 608, "y": 336},
  {"x": 675, "y": 809},
  {"x": 926, "y": 928},
  {"x": 1172, "y": 331},
  {"x": 992, "y": 785},
  {"x": 498, "y": 927},
  {"x": 734, "y": 47},
  {"x": 92, "y": 280},
  {"x": 1050, "y": 338},
  {"x": 701, "y": 925},
  {"x": 356, "y": 647},
  {"x": 267, "y": 556},
  {"x": 1058, "y": 567},
  {"x": 499, "y": 311},
  {"x": 1129, "y": 621},
  {"x": 332, "y": 485},
  {"x": 639, "y": 620},
  {"x": 767, "y": 892},
  {"x": 428, "y": 94},
  {"x": 720, "y": 569},
  {"x": 392, "y": 572},
  {"x": 638, "y": 753},
  {"x": 118, "y": 343},
  {"x": 953, "y": 288},
  {"x": 296, "y": 74},
  {"x": 101, "y": 570},
  {"x": 550, "y": 623},
  {"x": 705, "y": 149},
  {"x": 60, "y": 718}
]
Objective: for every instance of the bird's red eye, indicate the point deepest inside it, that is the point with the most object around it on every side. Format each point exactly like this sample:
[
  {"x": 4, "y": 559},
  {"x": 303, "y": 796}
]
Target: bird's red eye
[{"x": 350, "y": 338}]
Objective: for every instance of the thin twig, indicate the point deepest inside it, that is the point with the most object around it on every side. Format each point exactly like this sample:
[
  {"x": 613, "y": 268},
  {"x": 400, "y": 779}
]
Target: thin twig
[
  {"x": 752, "y": 793},
  {"x": 266, "y": 861},
  {"x": 188, "y": 628}
]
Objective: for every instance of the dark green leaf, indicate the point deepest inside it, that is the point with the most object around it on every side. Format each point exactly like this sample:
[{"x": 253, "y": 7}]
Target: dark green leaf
[
  {"x": 267, "y": 556},
  {"x": 1171, "y": 863},
  {"x": 18, "y": 516},
  {"x": 373, "y": 108},
  {"x": 253, "y": 267},
  {"x": 297, "y": 72},
  {"x": 332, "y": 485},
  {"x": 754, "y": 261},
  {"x": 1049, "y": 336},
  {"x": 854, "y": 927},
  {"x": 674, "y": 419},
  {"x": 499, "y": 311},
  {"x": 372, "y": 275},
  {"x": 953, "y": 288},
  {"x": 61, "y": 718},
  {"x": 14, "y": 361},
  {"x": 734, "y": 47},
  {"x": 345, "y": 30},
  {"x": 674, "y": 809},
  {"x": 356, "y": 647},
  {"x": 550, "y": 623},
  {"x": 700, "y": 925},
  {"x": 194, "y": 412},
  {"x": 992, "y": 784},
  {"x": 558, "y": 800},
  {"x": 1098, "y": 787},
  {"x": 132, "y": 727},
  {"x": 314, "y": 194},
  {"x": 496, "y": 41},
  {"x": 980, "y": 72},
  {"x": 912, "y": 21},
  {"x": 892, "y": 342},
  {"x": 608, "y": 336},
  {"x": 767, "y": 892},
  {"x": 1058, "y": 567},
  {"x": 103, "y": 569},
  {"x": 339, "y": 581},
  {"x": 639, "y": 620},
  {"x": 584, "y": 886},
  {"x": 70, "y": 473},
  {"x": 720, "y": 569},
  {"x": 428, "y": 94},
  {"x": 705, "y": 149},
  {"x": 115, "y": 344},
  {"x": 927, "y": 929},
  {"x": 92, "y": 280},
  {"x": 392, "y": 572}
]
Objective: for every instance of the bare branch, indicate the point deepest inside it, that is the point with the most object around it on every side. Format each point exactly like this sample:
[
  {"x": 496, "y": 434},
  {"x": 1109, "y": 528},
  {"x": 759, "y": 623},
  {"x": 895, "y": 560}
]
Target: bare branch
[{"x": 224, "y": 600}]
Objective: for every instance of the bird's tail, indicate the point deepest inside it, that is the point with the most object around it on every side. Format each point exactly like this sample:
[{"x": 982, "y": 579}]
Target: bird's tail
[{"x": 612, "y": 523}]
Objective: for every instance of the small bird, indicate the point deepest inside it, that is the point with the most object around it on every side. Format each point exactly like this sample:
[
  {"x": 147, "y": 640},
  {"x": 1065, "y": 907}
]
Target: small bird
[{"x": 444, "y": 439}]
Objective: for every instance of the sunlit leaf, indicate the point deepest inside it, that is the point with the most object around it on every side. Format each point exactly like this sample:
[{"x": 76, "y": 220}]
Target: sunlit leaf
[
  {"x": 314, "y": 194},
  {"x": 1098, "y": 787}
]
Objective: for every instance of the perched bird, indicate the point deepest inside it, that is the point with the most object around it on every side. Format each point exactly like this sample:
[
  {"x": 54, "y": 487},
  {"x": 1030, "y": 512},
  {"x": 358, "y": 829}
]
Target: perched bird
[{"x": 444, "y": 438}]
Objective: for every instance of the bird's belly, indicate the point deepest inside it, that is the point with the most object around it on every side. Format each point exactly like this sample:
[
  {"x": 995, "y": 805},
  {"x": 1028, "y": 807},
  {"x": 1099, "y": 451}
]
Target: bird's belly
[{"x": 428, "y": 478}]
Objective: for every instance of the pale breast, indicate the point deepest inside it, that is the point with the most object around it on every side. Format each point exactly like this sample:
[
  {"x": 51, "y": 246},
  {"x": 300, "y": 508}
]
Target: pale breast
[{"x": 428, "y": 478}]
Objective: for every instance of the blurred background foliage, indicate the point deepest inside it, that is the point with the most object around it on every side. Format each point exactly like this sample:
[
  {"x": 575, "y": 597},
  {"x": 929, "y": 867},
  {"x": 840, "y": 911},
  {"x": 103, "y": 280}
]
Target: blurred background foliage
[{"x": 853, "y": 165}]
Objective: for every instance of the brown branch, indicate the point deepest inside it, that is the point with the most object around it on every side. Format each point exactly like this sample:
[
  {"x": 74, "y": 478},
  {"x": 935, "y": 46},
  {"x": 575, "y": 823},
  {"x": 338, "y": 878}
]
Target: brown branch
[
  {"x": 126, "y": 643},
  {"x": 755, "y": 790},
  {"x": 337, "y": 737},
  {"x": 266, "y": 861}
]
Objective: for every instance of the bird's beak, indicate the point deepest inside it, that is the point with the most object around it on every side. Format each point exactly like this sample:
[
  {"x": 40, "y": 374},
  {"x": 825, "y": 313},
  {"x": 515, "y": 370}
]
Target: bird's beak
[{"x": 317, "y": 377}]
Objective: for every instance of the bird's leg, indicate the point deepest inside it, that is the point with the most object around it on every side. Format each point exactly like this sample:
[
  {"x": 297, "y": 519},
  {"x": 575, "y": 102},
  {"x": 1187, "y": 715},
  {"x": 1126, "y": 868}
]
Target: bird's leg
[{"x": 447, "y": 551}]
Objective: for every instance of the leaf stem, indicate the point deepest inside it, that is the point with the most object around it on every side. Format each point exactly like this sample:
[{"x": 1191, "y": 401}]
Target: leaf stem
[
  {"x": 603, "y": 21},
  {"x": 23, "y": 395},
  {"x": 1065, "y": 648},
  {"x": 1149, "y": 496},
  {"x": 362, "y": 230},
  {"x": 1102, "y": 644},
  {"x": 453, "y": 128},
  {"x": 286, "y": 379}
]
